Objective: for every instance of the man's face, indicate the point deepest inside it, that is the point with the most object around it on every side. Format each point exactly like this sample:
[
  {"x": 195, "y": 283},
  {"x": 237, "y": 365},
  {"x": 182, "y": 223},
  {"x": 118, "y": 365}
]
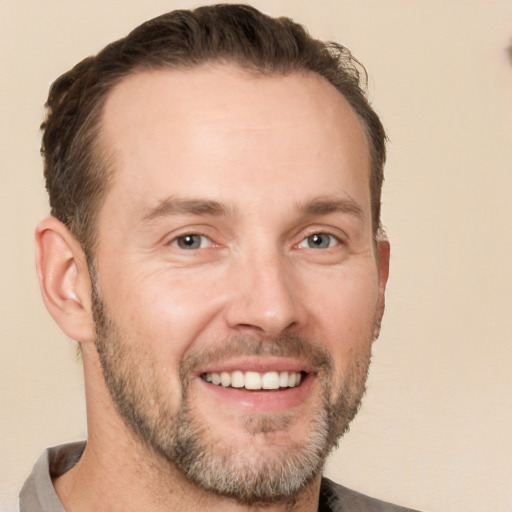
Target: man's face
[{"x": 235, "y": 245}]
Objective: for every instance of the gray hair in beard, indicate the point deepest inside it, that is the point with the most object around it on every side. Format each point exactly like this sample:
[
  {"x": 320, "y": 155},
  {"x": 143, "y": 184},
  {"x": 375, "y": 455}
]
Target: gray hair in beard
[{"x": 184, "y": 440}]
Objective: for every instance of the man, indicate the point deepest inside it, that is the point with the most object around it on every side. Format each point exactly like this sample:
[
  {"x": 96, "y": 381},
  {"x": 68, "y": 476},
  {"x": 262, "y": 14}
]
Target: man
[{"x": 215, "y": 248}]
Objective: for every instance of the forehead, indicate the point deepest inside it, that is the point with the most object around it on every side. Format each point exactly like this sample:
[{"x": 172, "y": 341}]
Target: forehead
[{"x": 216, "y": 130}]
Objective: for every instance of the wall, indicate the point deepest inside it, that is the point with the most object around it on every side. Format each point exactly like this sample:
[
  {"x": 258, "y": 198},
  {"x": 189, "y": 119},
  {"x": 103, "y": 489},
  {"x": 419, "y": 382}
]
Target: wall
[{"x": 434, "y": 432}]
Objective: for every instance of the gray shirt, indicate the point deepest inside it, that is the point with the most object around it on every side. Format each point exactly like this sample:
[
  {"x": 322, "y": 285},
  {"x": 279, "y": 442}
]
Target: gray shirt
[{"x": 38, "y": 493}]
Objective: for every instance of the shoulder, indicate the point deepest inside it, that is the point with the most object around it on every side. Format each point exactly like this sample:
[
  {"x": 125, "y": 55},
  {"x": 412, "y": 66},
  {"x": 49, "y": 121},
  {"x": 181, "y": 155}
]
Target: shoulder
[
  {"x": 340, "y": 499},
  {"x": 38, "y": 493}
]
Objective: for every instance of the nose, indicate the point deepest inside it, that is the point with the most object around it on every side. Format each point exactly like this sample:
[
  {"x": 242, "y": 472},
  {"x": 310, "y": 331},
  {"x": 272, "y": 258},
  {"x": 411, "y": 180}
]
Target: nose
[{"x": 265, "y": 297}]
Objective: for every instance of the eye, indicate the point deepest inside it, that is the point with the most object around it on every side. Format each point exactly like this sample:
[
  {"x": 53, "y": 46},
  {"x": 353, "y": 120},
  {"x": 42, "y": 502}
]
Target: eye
[
  {"x": 191, "y": 241},
  {"x": 319, "y": 241}
]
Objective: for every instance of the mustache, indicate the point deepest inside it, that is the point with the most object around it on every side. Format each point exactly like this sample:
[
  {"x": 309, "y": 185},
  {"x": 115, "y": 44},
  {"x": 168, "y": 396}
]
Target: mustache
[{"x": 284, "y": 345}]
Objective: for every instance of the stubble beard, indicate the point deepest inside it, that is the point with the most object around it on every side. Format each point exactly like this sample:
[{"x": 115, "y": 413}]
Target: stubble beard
[{"x": 249, "y": 476}]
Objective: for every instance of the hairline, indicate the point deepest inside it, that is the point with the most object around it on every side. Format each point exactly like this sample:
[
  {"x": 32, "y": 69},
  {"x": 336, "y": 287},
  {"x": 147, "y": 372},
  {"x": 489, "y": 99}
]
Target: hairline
[{"x": 103, "y": 157}]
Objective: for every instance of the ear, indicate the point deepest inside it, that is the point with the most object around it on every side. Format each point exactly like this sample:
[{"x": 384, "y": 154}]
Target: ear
[
  {"x": 383, "y": 253},
  {"x": 64, "y": 279}
]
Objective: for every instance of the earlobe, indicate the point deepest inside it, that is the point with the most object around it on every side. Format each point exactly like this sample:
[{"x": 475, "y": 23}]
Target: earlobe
[
  {"x": 383, "y": 254},
  {"x": 64, "y": 279}
]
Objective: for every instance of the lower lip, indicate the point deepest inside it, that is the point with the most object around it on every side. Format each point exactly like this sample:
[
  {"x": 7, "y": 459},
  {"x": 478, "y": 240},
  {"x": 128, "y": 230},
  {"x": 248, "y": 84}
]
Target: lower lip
[{"x": 269, "y": 401}]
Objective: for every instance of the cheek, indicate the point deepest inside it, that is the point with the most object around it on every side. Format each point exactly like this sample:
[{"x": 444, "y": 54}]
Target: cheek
[
  {"x": 344, "y": 313},
  {"x": 164, "y": 310}
]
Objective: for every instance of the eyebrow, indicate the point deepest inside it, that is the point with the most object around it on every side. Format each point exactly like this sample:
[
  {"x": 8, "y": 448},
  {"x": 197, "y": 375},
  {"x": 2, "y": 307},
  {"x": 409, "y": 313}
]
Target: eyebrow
[
  {"x": 325, "y": 206},
  {"x": 180, "y": 206}
]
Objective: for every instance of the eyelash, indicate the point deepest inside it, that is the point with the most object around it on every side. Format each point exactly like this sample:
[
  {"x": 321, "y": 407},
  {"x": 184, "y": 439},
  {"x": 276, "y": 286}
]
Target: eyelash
[
  {"x": 332, "y": 241},
  {"x": 175, "y": 242},
  {"x": 314, "y": 241}
]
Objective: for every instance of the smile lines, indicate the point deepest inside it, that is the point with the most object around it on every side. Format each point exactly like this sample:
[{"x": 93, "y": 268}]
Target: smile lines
[{"x": 254, "y": 380}]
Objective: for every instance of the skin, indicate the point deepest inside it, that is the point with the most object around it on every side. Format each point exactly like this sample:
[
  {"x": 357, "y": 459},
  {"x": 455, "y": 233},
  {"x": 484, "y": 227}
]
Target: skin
[{"x": 281, "y": 158}]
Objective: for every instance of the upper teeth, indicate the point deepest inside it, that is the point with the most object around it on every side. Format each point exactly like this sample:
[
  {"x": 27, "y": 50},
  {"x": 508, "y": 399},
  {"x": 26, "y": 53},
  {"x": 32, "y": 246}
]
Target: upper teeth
[{"x": 254, "y": 380}]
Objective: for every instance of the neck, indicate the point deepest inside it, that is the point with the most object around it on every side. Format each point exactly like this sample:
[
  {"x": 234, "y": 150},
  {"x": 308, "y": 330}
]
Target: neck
[
  {"x": 130, "y": 479},
  {"x": 118, "y": 472}
]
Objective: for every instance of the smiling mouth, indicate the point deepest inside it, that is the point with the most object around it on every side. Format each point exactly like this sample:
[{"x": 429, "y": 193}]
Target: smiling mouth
[{"x": 255, "y": 380}]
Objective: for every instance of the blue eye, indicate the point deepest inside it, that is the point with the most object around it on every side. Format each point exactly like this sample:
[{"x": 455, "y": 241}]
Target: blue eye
[
  {"x": 319, "y": 241},
  {"x": 191, "y": 242}
]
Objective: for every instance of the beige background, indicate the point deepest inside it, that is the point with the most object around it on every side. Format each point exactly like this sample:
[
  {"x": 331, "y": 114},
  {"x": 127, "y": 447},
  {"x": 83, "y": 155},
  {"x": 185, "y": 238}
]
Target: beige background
[{"x": 435, "y": 430}]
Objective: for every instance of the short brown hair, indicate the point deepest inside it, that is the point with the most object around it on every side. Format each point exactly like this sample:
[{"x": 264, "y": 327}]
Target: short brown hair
[{"x": 77, "y": 172}]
